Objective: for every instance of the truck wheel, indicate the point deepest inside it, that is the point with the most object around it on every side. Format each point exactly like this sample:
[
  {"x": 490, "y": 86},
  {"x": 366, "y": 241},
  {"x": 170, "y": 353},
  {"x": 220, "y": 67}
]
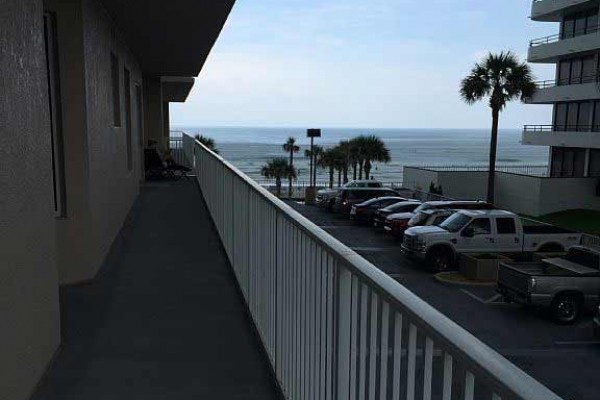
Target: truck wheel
[
  {"x": 565, "y": 309},
  {"x": 329, "y": 207},
  {"x": 439, "y": 259},
  {"x": 551, "y": 248}
]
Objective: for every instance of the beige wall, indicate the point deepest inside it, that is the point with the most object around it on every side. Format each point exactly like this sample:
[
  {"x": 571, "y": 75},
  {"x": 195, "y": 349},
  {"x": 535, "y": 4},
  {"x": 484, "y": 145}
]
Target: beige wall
[
  {"x": 29, "y": 314},
  {"x": 113, "y": 188},
  {"x": 100, "y": 187}
]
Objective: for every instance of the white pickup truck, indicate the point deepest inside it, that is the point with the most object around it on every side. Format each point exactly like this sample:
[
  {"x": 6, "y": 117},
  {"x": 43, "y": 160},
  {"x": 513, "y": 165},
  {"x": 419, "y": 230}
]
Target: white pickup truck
[{"x": 482, "y": 231}]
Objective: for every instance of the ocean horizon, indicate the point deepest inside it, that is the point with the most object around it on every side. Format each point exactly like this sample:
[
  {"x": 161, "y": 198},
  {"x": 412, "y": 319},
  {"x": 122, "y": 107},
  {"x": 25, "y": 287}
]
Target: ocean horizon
[{"x": 249, "y": 148}]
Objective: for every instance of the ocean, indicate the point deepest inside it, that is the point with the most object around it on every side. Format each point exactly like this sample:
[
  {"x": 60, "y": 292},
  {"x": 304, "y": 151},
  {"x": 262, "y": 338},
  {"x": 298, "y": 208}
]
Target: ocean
[{"x": 250, "y": 148}]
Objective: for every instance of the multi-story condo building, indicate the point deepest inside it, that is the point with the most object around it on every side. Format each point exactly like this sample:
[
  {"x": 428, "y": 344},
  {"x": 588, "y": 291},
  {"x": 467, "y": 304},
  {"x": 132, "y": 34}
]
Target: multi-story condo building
[{"x": 574, "y": 135}]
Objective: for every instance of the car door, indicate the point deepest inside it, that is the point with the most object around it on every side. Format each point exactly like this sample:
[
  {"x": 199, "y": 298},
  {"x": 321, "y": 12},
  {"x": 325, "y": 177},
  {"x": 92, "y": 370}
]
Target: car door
[
  {"x": 476, "y": 237},
  {"x": 507, "y": 238}
]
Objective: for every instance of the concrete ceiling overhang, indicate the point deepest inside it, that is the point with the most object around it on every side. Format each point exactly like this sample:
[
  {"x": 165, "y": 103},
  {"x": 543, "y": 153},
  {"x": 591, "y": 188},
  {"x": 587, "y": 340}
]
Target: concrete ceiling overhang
[
  {"x": 170, "y": 38},
  {"x": 176, "y": 88}
]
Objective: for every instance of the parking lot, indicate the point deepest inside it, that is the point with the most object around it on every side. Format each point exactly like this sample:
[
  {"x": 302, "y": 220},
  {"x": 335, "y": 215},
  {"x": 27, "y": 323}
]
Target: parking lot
[{"x": 564, "y": 358}]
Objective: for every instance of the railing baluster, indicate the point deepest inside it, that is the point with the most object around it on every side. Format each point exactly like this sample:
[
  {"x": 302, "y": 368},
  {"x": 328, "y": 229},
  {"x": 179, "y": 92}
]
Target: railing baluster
[
  {"x": 428, "y": 369},
  {"x": 397, "y": 356},
  {"x": 447, "y": 388},
  {"x": 412, "y": 357},
  {"x": 373, "y": 346},
  {"x": 469, "y": 385},
  {"x": 384, "y": 350},
  {"x": 354, "y": 338},
  {"x": 362, "y": 352}
]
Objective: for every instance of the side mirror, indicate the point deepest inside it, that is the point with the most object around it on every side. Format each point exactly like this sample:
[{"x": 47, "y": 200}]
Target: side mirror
[{"x": 468, "y": 232}]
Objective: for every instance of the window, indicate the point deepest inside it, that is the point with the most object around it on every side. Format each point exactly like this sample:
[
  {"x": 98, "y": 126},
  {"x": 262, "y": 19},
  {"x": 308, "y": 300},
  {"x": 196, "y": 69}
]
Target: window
[
  {"x": 506, "y": 226},
  {"x": 568, "y": 162},
  {"x": 596, "y": 121},
  {"x": 128, "y": 122},
  {"x": 481, "y": 226},
  {"x": 116, "y": 94},
  {"x": 55, "y": 108},
  {"x": 580, "y": 24},
  {"x": 594, "y": 168},
  {"x": 573, "y": 116}
]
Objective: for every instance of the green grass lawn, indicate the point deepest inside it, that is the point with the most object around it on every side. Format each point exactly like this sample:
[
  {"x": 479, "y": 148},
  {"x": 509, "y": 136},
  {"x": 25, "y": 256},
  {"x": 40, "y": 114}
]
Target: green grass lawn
[{"x": 586, "y": 221}]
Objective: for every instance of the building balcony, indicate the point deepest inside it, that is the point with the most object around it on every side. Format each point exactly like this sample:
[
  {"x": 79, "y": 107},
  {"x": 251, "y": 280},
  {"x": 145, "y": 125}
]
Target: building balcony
[
  {"x": 585, "y": 136},
  {"x": 550, "y": 49},
  {"x": 552, "y": 10},
  {"x": 553, "y": 91}
]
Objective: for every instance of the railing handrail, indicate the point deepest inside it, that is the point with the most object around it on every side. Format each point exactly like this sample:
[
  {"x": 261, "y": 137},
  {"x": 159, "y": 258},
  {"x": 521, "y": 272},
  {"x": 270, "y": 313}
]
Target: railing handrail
[
  {"x": 502, "y": 374},
  {"x": 557, "y": 37},
  {"x": 567, "y": 81},
  {"x": 561, "y": 128}
]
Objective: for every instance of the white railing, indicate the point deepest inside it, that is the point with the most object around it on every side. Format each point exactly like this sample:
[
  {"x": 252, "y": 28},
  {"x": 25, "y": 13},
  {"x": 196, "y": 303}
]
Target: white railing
[{"x": 332, "y": 324}]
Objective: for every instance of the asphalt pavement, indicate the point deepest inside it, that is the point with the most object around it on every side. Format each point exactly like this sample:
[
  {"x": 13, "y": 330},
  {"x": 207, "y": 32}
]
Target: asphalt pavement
[{"x": 564, "y": 358}]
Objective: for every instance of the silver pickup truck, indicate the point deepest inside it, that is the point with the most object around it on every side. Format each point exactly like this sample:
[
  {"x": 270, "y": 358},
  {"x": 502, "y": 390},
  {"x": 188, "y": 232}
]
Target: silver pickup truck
[{"x": 566, "y": 285}]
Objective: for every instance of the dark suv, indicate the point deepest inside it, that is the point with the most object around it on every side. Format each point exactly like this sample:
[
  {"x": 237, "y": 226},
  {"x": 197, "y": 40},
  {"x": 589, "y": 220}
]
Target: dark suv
[{"x": 347, "y": 197}]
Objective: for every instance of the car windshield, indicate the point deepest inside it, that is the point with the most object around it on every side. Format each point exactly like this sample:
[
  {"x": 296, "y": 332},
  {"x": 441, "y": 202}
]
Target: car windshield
[
  {"x": 422, "y": 207},
  {"x": 418, "y": 219},
  {"x": 455, "y": 222}
]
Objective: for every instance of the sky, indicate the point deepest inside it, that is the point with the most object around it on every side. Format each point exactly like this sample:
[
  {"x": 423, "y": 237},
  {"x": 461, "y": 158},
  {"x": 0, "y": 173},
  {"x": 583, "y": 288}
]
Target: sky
[{"x": 359, "y": 64}]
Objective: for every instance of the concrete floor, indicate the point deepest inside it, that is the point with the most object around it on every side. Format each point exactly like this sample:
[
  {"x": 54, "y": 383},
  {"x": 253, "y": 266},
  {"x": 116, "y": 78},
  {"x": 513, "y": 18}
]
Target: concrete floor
[{"x": 163, "y": 319}]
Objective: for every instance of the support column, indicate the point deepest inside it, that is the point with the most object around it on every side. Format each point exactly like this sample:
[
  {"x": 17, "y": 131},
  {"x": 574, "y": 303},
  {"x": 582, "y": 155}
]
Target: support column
[{"x": 153, "y": 112}]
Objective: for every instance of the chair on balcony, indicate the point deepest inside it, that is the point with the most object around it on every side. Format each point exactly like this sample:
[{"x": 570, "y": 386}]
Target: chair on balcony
[{"x": 156, "y": 168}]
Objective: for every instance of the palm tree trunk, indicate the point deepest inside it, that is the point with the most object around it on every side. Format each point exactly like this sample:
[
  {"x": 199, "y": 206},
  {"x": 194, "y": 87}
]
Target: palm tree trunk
[
  {"x": 331, "y": 177},
  {"x": 493, "y": 148},
  {"x": 354, "y": 164},
  {"x": 340, "y": 177},
  {"x": 345, "y": 173},
  {"x": 367, "y": 169},
  {"x": 278, "y": 186},
  {"x": 314, "y": 171},
  {"x": 290, "y": 177},
  {"x": 360, "y": 169}
]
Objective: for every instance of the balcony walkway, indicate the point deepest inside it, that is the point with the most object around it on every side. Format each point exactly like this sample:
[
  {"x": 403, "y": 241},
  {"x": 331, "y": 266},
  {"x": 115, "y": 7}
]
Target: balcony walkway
[{"x": 164, "y": 318}]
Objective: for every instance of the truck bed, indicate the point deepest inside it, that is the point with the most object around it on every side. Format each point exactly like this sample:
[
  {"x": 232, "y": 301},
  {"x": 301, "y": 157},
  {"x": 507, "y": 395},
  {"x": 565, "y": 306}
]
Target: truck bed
[{"x": 544, "y": 229}]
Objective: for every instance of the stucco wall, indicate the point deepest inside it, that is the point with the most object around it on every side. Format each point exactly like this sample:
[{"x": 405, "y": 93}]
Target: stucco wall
[
  {"x": 573, "y": 193},
  {"x": 113, "y": 188},
  {"x": 29, "y": 315},
  {"x": 470, "y": 185},
  {"x": 416, "y": 178},
  {"x": 100, "y": 187}
]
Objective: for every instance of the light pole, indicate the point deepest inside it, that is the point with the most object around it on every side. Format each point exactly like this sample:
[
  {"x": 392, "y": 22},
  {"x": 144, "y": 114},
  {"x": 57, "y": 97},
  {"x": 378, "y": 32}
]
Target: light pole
[{"x": 311, "y": 193}]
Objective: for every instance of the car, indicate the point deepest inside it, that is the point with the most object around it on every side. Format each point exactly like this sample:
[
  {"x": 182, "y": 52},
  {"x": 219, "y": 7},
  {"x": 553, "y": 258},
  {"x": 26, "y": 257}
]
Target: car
[
  {"x": 482, "y": 231},
  {"x": 346, "y": 198},
  {"x": 326, "y": 197},
  {"x": 566, "y": 285},
  {"x": 433, "y": 217},
  {"x": 452, "y": 204},
  {"x": 400, "y": 207},
  {"x": 365, "y": 211}
]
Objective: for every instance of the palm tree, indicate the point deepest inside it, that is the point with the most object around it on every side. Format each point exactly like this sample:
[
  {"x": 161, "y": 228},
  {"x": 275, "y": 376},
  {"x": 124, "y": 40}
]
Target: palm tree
[
  {"x": 372, "y": 149},
  {"x": 208, "y": 142},
  {"x": 501, "y": 78},
  {"x": 327, "y": 160},
  {"x": 291, "y": 147},
  {"x": 318, "y": 151},
  {"x": 345, "y": 148},
  {"x": 354, "y": 156},
  {"x": 278, "y": 168}
]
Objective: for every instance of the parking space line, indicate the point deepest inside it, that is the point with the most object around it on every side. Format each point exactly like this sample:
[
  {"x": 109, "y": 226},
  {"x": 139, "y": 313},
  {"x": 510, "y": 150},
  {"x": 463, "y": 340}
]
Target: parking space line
[
  {"x": 493, "y": 299},
  {"x": 578, "y": 343},
  {"x": 479, "y": 299},
  {"x": 371, "y": 249}
]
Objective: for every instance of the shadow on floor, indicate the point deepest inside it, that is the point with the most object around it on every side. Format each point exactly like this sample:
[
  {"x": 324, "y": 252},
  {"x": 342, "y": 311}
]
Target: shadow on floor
[{"x": 164, "y": 318}]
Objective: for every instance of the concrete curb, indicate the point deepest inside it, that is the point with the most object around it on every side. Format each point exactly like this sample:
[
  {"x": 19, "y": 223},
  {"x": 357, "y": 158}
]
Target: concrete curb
[{"x": 442, "y": 278}]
